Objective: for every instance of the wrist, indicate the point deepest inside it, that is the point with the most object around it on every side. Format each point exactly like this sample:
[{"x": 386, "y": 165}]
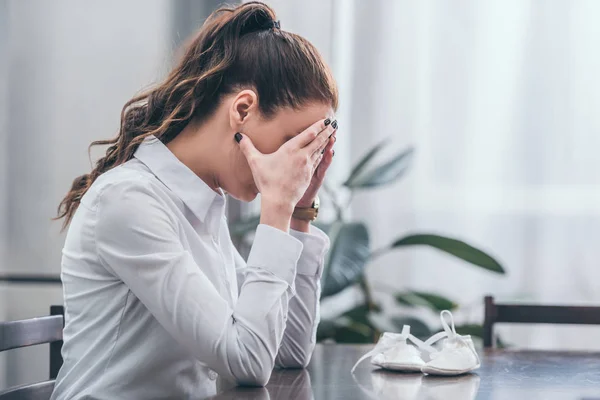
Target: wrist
[
  {"x": 276, "y": 214},
  {"x": 300, "y": 225},
  {"x": 276, "y": 206}
]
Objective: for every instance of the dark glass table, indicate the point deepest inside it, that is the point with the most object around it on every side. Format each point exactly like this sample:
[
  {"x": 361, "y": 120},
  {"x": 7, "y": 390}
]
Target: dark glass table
[{"x": 504, "y": 374}]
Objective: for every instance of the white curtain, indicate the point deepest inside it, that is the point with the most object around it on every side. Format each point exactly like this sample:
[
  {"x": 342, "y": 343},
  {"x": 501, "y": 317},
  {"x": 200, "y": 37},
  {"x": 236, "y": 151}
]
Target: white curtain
[{"x": 500, "y": 100}]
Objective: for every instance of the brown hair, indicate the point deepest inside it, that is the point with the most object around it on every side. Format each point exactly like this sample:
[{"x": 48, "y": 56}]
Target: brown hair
[{"x": 236, "y": 48}]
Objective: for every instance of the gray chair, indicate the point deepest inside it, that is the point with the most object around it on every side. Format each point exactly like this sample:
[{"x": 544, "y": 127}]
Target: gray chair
[{"x": 30, "y": 332}]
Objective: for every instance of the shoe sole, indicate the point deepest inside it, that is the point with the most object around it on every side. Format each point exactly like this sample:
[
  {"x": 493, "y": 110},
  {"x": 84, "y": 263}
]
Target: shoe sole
[
  {"x": 447, "y": 372},
  {"x": 400, "y": 368}
]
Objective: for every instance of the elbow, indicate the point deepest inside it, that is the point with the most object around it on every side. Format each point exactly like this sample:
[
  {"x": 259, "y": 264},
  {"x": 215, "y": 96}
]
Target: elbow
[
  {"x": 256, "y": 372},
  {"x": 252, "y": 362},
  {"x": 258, "y": 378},
  {"x": 303, "y": 363},
  {"x": 294, "y": 360}
]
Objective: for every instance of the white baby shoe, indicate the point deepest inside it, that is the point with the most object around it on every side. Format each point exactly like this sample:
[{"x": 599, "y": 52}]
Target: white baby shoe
[
  {"x": 457, "y": 355},
  {"x": 393, "y": 352}
]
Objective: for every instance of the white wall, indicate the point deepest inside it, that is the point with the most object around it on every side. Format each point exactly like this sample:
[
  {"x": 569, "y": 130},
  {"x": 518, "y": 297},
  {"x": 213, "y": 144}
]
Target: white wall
[
  {"x": 71, "y": 67},
  {"x": 3, "y": 156}
]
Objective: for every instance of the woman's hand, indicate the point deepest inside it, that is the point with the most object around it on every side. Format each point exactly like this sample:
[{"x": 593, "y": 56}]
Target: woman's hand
[
  {"x": 284, "y": 176},
  {"x": 319, "y": 175},
  {"x": 315, "y": 184}
]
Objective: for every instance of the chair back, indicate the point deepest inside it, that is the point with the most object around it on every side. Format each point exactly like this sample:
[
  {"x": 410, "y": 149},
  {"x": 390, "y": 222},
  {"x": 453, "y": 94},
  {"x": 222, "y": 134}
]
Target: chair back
[
  {"x": 30, "y": 332},
  {"x": 534, "y": 314}
]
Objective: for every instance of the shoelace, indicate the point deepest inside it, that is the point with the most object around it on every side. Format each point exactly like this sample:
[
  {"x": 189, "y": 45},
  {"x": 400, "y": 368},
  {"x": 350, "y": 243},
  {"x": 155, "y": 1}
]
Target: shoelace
[
  {"x": 448, "y": 332},
  {"x": 390, "y": 340}
]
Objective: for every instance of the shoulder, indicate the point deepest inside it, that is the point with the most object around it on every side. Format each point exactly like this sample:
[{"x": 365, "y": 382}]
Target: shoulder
[
  {"x": 119, "y": 183},
  {"x": 127, "y": 197}
]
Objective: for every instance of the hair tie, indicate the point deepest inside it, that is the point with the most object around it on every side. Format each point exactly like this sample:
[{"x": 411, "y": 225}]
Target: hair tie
[{"x": 272, "y": 25}]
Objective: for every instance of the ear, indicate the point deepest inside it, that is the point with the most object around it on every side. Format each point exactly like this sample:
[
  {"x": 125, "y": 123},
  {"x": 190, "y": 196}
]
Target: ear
[{"x": 243, "y": 108}]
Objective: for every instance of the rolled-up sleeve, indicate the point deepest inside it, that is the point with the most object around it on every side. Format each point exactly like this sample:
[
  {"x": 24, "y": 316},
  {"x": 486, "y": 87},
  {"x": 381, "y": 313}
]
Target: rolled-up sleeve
[
  {"x": 300, "y": 334},
  {"x": 137, "y": 239},
  {"x": 315, "y": 247}
]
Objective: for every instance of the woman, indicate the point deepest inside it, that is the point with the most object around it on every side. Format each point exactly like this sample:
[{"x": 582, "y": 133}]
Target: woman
[{"x": 158, "y": 301}]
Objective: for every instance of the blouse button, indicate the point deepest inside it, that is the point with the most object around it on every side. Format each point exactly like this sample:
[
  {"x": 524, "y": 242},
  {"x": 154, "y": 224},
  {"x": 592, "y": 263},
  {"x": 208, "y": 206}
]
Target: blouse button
[{"x": 212, "y": 375}]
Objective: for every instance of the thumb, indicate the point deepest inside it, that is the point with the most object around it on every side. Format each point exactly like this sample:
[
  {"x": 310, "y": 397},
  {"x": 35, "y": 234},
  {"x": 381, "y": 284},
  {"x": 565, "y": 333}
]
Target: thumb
[{"x": 246, "y": 146}]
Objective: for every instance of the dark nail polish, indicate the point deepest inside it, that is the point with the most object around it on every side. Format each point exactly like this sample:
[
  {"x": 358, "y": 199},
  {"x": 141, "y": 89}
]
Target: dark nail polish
[
  {"x": 333, "y": 153},
  {"x": 327, "y": 121},
  {"x": 323, "y": 151},
  {"x": 237, "y": 137},
  {"x": 334, "y": 124}
]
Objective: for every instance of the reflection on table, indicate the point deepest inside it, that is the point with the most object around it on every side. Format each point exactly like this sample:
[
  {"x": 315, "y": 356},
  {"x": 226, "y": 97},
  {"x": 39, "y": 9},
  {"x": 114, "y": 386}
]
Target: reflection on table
[
  {"x": 394, "y": 385},
  {"x": 292, "y": 384},
  {"x": 513, "y": 375}
]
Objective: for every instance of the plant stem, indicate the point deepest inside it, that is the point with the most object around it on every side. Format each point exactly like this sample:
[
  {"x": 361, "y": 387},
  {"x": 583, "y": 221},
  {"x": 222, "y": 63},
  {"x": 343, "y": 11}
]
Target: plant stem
[
  {"x": 378, "y": 252},
  {"x": 371, "y": 306},
  {"x": 386, "y": 288},
  {"x": 350, "y": 198},
  {"x": 367, "y": 292},
  {"x": 334, "y": 200}
]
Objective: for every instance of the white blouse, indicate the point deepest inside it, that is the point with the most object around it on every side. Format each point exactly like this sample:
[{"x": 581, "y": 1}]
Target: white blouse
[{"x": 158, "y": 301}]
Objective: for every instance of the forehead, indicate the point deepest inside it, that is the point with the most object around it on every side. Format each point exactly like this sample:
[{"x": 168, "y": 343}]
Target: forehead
[{"x": 295, "y": 121}]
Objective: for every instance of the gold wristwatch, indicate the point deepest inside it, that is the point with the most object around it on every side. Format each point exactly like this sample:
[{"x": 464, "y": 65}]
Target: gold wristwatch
[{"x": 307, "y": 213}]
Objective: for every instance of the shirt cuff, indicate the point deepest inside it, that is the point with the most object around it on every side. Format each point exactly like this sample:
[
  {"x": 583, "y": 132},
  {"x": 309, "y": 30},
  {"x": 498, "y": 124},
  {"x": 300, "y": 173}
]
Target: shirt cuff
[
  {"x": 276, "y": 252},
  {"x": 316, "y": 245}
]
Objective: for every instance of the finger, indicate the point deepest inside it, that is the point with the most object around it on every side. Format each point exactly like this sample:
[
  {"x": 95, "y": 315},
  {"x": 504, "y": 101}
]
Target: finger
[
  {"x": 325, "y": 164},
  {"x": 309, "y": 134},
  {"x": 316, "y": 158},
  {"x": 322, "y": 138},
  {"x": 247, "y": 147},
  {"x": 322, "y": 167},
  {"x": 320, "y": 150},
  {"x": 326, "y": 158},
  {"x": 330, "y": 143},
  {"x": 325, "y": 147}
]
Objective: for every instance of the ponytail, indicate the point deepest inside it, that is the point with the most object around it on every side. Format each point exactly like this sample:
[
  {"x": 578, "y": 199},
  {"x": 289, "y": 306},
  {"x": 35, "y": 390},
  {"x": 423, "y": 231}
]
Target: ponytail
[{"x": 236, "y": 48}]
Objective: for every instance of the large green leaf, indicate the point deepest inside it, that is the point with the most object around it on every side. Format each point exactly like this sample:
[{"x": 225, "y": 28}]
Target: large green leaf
[
  {"x": 417, "y": 327},
  {"x": 355, "y": 333},
  {"x": 364, "y": 162},
  {"x": 470, "y": 329},
  {"x": 432, "y": 301},
  {"x": 454, "y": 247},
  {"x": 244, "y": 226},
  {"x": 382, "y": 174},
  {"x": 347, "y": 258},
  {"x": 344, "y": 331},
  {"x": 361, "y": 313}
]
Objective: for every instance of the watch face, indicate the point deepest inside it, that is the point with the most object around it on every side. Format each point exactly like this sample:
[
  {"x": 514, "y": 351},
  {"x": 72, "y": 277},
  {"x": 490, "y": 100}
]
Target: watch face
[{"x": 316, "y": 202}]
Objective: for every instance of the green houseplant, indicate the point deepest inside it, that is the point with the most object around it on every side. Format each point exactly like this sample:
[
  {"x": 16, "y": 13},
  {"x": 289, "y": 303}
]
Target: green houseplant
[{"x": 351, "y": 253}]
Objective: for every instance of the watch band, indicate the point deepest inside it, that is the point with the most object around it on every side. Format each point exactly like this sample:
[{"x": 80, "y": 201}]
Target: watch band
[{"x": 307, "y": 213}]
